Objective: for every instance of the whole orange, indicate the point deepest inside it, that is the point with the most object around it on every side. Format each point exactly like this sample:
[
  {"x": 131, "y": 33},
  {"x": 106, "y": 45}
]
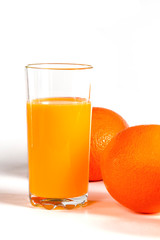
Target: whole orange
[
  {"x": 105, "y": 125},
  {"x": 131, "y": 168}
]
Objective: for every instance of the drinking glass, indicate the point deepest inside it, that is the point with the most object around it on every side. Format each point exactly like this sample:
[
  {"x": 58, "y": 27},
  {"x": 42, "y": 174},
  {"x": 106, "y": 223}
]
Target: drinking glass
[{"x": 58, "y": 123}]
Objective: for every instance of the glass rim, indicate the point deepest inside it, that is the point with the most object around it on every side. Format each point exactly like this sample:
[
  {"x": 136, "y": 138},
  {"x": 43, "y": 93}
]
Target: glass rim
[{"x": 70, "y": 66}]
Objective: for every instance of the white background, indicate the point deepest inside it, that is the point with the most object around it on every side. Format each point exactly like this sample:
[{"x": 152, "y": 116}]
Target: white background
[{"x": 121, "y": 39}]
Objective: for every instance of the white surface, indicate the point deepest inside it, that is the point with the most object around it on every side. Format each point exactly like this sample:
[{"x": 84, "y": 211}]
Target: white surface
[
  {"x": 103, "y": 218},
  {"x": 121, "y": 39}
]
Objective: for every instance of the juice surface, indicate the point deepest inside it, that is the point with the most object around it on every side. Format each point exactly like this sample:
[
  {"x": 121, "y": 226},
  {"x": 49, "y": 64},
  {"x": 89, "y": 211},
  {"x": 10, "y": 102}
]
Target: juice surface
[{"x": 58, "y": 147}]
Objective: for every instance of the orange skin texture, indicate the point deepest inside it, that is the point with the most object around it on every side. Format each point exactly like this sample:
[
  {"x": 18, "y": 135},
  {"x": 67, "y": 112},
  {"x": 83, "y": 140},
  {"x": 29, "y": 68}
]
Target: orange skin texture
[
  {"x": 131, "y": 168},
  {"x": 105, "y": 125}
]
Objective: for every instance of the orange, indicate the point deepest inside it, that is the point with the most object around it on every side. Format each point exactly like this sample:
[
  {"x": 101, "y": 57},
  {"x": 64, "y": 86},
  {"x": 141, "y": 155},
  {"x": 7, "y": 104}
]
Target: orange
[
  {"x": 131, "y": 168},
  {"x": 105, "y": 125}
]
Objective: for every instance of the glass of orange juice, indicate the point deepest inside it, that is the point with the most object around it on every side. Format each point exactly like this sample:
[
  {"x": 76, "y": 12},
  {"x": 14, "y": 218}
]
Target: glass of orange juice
[{"x": 58, "y": 123}]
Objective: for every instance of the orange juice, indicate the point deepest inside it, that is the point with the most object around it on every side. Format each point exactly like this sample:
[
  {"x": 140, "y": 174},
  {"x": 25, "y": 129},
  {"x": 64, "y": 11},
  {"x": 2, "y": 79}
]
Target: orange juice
[{"x": 58, "y": 147}]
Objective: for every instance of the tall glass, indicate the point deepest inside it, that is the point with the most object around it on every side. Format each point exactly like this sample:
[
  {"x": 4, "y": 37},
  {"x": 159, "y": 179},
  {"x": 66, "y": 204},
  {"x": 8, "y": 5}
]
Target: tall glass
[{"x": 58, "y": 120}]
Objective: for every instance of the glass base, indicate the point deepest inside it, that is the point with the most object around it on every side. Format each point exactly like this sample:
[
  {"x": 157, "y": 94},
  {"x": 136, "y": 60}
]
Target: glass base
[{"x": 58, "y": 203}]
